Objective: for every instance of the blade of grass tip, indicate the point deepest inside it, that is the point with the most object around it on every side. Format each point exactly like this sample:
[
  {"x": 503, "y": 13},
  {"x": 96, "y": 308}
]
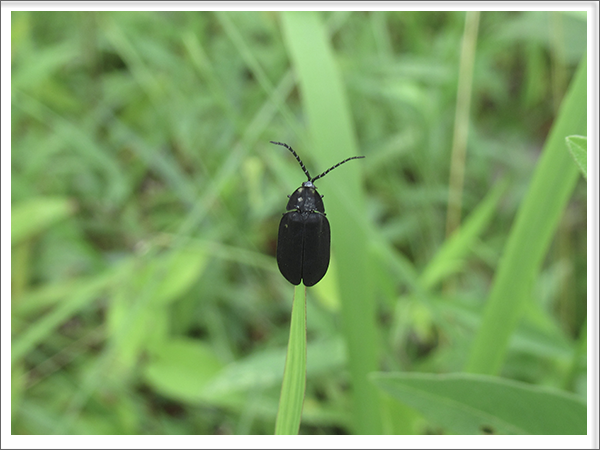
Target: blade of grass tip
[
  {"x": 331, "y": 128},
  {"x": 293, "y": 387},
  {"x": 536, "y": 221}
]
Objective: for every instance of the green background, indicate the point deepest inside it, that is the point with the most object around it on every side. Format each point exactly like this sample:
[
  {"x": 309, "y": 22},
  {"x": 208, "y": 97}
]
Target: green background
[{"x": 145, "y": 203}]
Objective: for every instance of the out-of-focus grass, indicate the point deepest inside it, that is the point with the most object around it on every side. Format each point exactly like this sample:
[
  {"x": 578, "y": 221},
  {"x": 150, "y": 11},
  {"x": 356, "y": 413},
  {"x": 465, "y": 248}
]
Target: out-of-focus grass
[{"x": 145, "y": 293}]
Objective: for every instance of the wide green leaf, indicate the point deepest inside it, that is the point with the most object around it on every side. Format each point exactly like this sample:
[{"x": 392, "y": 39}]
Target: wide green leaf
[
  {"x": 479, "y": 404},
  {"x": 262, "y": 369},
  {"x": 182, "y": 368}
]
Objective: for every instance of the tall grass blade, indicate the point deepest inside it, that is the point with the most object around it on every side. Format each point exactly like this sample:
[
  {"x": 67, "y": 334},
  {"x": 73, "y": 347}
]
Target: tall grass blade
[
  {"x": 331, "y": 129},
  {"x": 538, "y": 216}
]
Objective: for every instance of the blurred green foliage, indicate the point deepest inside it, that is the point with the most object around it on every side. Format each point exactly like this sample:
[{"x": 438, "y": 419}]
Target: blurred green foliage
[{"x": 146, "y": 198}]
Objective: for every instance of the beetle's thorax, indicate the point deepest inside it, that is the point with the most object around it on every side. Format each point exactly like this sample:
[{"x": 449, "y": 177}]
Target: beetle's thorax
[{"x": 306, "y": 199}]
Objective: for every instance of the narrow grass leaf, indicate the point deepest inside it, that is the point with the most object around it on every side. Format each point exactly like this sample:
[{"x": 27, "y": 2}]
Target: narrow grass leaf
[
  {"x": 294, "y": 376},
  {"x": 42, "y": 328},
  {"x": 451, "y": 256},
  {"x": 332, "y": 131},
  {"x": 537, "y": 218}
]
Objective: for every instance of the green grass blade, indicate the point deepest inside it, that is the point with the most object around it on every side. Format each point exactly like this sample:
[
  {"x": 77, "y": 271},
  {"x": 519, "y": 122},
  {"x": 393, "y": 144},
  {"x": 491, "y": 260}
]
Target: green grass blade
[
  {"x": 451, "y": 256},
  {"x": 332, "y": 132},
  {"x": 538, "y": 216},
  {"x": 42, "y": 328},
  {"x": 294, "y": 376},
  {"x": 481, "y": 404},
  {"x": 578, "y": 148}
]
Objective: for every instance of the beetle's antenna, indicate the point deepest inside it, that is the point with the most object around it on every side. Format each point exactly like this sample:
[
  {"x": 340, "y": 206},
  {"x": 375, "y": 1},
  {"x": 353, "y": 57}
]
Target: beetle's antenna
[
  {"x": 337, "y": 165},
  {"x": 296, "y": 155}
]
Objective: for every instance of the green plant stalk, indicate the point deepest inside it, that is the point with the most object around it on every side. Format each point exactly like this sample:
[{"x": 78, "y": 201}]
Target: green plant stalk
[
  {"x": 293, "y": 386},
  {"x": 331, "y": 129},
  {"x": 461, "y": 124},
  {"x": 536, "y": 221}
]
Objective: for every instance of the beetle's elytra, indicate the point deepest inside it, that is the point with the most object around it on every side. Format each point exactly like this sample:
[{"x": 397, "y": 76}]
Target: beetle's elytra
[{"x": 304, "y": 237}]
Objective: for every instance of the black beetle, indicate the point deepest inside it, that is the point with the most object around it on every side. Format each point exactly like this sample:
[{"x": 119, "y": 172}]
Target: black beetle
[{"x": 304, "y": 237}]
